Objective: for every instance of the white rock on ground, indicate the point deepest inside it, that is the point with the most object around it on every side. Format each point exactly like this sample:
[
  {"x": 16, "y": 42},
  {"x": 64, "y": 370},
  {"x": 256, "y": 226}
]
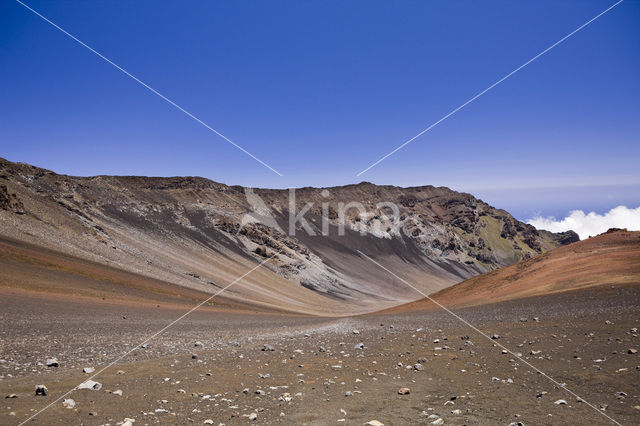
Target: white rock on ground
[
  {"x": 69, "y": 403},
  {"x": 90, "y": 384}
]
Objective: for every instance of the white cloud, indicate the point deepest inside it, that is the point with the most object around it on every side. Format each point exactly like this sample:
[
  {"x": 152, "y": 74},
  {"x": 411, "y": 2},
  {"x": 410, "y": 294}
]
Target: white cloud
[{"x": 591, "y": 223}]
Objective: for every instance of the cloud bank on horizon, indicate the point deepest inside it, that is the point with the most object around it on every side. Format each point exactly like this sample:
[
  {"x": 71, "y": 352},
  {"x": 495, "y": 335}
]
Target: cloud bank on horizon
[{"x": 592, "y": 223}]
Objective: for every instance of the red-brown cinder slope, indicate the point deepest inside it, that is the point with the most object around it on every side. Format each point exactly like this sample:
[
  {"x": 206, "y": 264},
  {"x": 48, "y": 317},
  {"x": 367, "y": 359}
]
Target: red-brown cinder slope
[{"x": 612, "y": 258}]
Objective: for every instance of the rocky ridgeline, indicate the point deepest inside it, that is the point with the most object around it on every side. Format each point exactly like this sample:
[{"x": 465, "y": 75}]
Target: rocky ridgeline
[{"x": 452, "y": 235}]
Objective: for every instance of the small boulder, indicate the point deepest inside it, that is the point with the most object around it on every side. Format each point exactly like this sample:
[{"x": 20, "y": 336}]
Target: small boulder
[
  {"x": 90, "y": 384},
  {"x": 52, "y": 362},
  {"x": 41, "y": 390},
  {"x": 404, "y": 391},
  {"x": 69, "y": 403}
]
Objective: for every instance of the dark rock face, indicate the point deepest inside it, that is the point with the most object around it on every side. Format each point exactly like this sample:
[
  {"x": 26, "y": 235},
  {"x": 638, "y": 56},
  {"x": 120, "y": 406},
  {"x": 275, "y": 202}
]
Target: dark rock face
[
  {"x": 10, "y": 202},
  {"x": 567, "y": 237}
]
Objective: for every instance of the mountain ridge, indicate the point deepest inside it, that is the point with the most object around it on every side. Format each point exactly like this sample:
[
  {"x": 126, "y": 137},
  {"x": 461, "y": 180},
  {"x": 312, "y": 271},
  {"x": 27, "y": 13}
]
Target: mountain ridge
[{"x": 192, "y": 231}]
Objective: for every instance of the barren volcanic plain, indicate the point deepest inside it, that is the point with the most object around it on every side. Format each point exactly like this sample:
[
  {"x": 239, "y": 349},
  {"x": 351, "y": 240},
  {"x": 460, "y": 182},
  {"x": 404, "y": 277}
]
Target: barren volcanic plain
[{"x": 93, "y": 270}]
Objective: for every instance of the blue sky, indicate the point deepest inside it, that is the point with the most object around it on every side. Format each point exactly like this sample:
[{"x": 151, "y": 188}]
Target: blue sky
[{"x": 320, "y": 90}]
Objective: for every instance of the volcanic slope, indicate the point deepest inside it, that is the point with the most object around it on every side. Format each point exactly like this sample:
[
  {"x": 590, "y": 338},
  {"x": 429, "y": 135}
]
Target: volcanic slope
[
  {"x": 192, "y": 233},
  {"x": 609, "y": 259}
]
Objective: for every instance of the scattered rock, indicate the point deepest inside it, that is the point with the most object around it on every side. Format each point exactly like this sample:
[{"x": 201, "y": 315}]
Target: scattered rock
[
  {"x": 118, "y": 392},
  {"x": 356, "y": 331},
  {"x": 198, "y": 344},
  {"x": 267, "y": 348},
  {"x": 561, "y": 402},
  {"x": 253, "y": 416},
  {"x": 359, "y": 346},
  {"x": 418, "y": 367},
  {"x": 374, "y": 423},
  {"x": 13, "y": 395},
  {"x": 438, "y": 421}
]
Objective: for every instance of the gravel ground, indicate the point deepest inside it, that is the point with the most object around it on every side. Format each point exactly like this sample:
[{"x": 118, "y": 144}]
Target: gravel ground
[{"x": 326, "y": 370}]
